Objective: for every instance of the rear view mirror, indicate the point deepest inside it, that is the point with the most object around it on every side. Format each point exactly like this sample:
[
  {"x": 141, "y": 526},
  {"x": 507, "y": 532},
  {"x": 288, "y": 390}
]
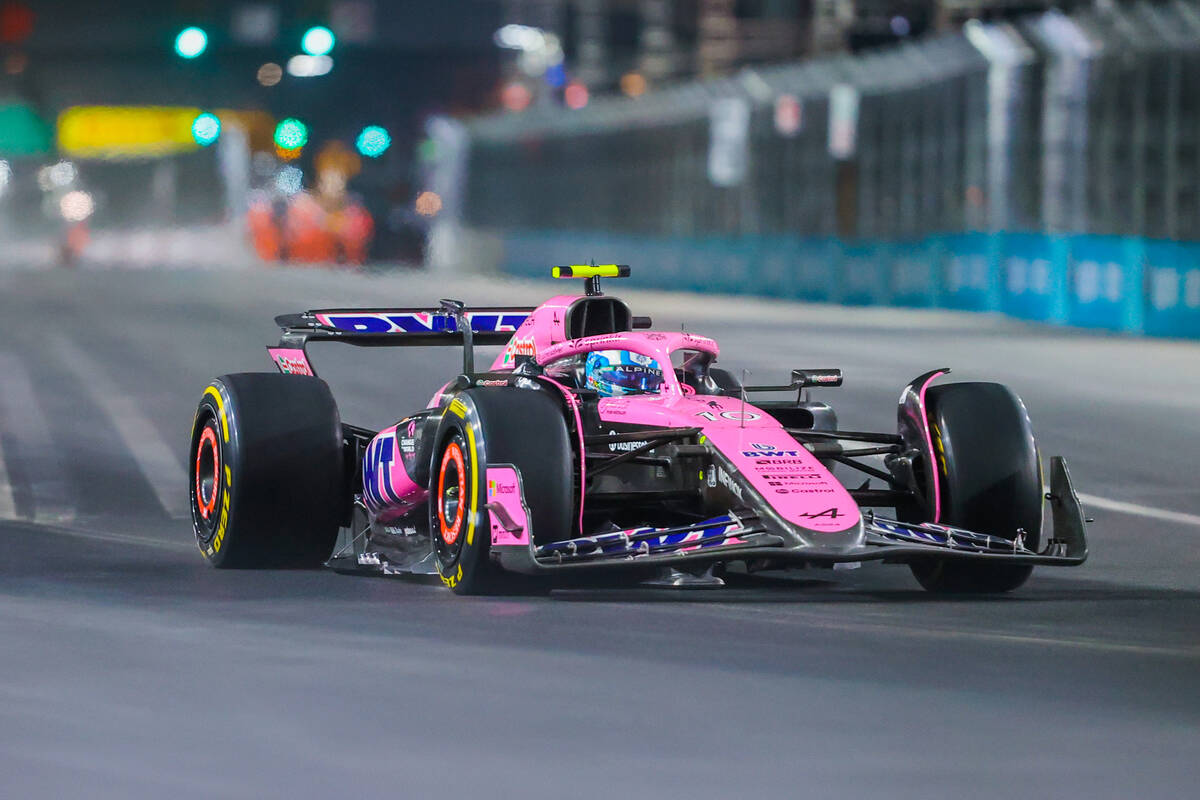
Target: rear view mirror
[{"x": 803, "y": 378}]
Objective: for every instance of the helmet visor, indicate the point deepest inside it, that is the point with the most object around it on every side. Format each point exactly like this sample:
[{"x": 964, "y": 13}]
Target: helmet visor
[{"x": 623, "y": 372}]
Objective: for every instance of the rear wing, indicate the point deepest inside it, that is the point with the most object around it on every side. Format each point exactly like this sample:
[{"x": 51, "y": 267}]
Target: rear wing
[{"x": 451, "y": 324}]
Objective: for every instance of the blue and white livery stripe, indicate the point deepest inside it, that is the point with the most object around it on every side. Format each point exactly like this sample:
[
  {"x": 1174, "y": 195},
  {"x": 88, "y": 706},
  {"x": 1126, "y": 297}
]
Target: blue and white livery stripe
[
  {"x": 420, "y": 321},
  {"x": 377, "y": 471}
]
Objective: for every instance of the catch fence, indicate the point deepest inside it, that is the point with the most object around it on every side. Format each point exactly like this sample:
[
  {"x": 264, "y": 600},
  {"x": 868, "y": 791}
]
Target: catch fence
[{"x": 1049, "y": 169}]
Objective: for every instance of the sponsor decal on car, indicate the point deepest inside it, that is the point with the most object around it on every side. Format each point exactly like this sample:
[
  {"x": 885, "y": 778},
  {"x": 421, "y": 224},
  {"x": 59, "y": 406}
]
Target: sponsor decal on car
[
  {"x": 380, "y": 484},
  {"x": 377, "y": 468},
  {"x": 787, "y": 476},
  {"x": 419, "y": 321},
  {"x": 517, "y": 347},
  {"x": 223, "y": 521},
  {"x": 729, "y": 483},
  {"x": 291, "y": 360},
  {"x": 507, "y": 512},
  {"x": 831, "y": 513},
  {"x": 703, "y": 341},
  {"x": 293, "y": 366},
  {"x": 624, "y": 447}
]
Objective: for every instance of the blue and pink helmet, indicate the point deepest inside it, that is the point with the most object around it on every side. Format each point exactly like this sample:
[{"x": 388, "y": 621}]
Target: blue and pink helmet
[{"x": 612, "y": 373}]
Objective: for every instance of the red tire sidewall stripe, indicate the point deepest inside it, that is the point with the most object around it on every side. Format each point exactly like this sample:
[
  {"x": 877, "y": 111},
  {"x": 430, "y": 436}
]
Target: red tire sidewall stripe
[
  {"x": 208, "y": 437},
  {"x": 452, "y": 454}
]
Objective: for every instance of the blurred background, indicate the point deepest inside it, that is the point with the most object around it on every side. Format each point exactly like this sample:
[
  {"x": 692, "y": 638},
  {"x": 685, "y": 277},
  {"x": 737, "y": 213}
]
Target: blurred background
[{"x": 1032, "y": 157}]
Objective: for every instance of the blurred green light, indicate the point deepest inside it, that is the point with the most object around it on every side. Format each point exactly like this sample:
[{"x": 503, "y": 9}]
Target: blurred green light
[
  {"x": 317, "y": 41},
  {"x": 373, "y": 141},
  {"x": 191, "y": 42},
  {"x": 206, "y": 128},
  {"x": 291, "y": 133}
]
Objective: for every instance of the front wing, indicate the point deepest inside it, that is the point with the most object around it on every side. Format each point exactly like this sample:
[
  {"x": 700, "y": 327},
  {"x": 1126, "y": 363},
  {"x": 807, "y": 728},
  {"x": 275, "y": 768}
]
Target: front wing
[
  {"x": 740, "y": 535},
  {"x": 737, "y": 536}
]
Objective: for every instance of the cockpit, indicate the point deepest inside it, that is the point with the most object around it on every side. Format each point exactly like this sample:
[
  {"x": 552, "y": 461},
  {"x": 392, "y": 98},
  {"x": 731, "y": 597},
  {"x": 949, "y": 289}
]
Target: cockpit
[{"x": 619, "y": 373}]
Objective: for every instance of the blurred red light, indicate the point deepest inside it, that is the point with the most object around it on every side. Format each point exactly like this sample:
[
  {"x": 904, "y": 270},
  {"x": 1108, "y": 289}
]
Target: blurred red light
[
  {"x": 16, "y": 22},
  {"x": 516, "y": 96},
  {"x": 575, "y": 95}
]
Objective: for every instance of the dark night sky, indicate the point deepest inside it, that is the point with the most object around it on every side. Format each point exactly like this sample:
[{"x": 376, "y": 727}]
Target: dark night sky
[{"x": 423, "y": 56}]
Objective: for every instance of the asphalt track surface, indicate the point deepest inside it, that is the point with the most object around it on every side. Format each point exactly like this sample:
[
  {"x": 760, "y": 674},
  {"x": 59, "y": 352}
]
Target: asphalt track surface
[{"x": 128, "y": 668}]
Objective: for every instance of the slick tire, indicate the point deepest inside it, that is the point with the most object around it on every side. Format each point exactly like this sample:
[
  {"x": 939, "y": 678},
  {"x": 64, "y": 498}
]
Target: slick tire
[
  {"x": 990, "y": 481},
  {"x": 493, "y": 426},
  {"x": 267, "y": 471}
]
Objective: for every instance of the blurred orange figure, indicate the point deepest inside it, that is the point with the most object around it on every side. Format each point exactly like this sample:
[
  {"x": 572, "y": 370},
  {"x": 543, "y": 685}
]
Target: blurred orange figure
[
  {"x": 352, "y": 227},
  {"x": 327, "y": 226},
  {"x": 265, "y": 232}
]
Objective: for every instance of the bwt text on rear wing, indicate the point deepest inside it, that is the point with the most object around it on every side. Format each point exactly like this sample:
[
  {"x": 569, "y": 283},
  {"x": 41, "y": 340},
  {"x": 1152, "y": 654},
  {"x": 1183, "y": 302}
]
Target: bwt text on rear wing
[{"x": 451, "y": 324}]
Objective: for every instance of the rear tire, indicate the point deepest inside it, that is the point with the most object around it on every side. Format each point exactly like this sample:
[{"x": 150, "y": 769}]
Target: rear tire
[
  {"x": 267, "y": 474},
  {"x": 990, "y": 481},
  {"x": 482, "y": 426}
]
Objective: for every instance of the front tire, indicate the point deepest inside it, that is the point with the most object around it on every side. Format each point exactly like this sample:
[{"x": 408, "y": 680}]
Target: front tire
[
  {"x": 990, "y": 481},
  {"x": 267, "y": 475},
  {"x": 491, "y": 426}
]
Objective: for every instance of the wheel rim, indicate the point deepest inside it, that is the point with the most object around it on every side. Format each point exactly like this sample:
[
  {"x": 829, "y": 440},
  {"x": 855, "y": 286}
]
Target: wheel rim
[
  {"x": 206, "y": 482},
  {"x": 208, "y": 466},
  {"x": 451, "y": 508}
]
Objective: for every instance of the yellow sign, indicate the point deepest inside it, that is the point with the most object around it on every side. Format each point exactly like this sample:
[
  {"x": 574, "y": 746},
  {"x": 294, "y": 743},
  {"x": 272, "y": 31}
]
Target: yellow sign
[{"x": 126, "y": 131}]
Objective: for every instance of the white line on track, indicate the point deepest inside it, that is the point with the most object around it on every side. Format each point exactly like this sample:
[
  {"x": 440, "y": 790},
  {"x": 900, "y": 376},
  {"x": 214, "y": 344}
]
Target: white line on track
[
  {"x": 160, "y": 466},
  {"x": 1139, "y": 510},
  {"x": 8, "y": 508},
  {"x": 118, "y": 538},
  {"x": 22, "y": 418}
]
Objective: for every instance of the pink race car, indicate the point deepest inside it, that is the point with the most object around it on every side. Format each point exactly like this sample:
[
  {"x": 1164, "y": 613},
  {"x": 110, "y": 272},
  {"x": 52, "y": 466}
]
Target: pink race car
[{"x": 595, "y": 443}]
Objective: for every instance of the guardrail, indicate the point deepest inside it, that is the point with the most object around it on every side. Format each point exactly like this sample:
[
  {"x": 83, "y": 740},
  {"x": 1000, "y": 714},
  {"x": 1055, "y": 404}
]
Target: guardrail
[{"x": 1126, "y": 284}]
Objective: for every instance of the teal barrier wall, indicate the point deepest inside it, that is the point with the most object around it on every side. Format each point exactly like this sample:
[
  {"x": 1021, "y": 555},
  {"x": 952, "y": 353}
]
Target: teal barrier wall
[{"x": 1108, "y": 282}]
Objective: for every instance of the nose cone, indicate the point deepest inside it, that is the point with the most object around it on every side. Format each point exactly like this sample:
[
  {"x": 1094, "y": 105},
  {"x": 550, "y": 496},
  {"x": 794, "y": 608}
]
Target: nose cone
[{"x": 801, "y": 494}]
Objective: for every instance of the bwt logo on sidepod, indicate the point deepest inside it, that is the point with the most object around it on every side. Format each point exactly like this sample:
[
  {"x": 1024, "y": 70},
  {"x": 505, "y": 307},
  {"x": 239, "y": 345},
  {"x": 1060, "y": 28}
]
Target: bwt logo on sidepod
[{"x": 768, "y": 451}]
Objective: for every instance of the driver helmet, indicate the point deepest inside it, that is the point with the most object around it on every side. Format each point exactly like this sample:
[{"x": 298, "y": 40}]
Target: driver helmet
[{"x": 613, "y": 373}]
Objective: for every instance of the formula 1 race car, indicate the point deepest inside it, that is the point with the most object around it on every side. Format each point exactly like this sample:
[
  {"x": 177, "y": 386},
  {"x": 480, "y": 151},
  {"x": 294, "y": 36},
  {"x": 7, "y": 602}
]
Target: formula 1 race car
[{"x": 596, "y": 443}]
